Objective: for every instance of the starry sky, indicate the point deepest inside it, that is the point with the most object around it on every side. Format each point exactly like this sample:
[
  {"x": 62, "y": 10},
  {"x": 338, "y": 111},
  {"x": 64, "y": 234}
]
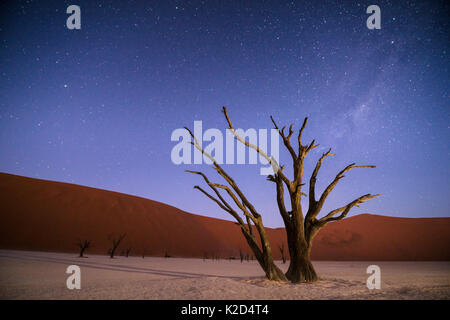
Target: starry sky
[{"x": 97, "y": 106}]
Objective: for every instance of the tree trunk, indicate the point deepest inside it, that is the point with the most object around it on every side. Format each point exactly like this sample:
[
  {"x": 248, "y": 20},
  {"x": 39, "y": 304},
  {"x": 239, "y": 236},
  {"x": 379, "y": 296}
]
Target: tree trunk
[
  {"x": 264, "y": 256},
  {"x": 300, "y": 267},
  {"x": 301, "y": 270},
  {"x": 274, "y": 273},
  {"x": 270, "y": 268}
]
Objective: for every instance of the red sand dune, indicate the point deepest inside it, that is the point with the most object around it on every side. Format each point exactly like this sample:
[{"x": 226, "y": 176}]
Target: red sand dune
[{"x": 50, "y": 216}]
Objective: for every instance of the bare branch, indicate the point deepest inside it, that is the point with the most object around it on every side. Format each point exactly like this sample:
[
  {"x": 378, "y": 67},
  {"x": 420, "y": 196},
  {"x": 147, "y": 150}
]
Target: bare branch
[
  {"x": 312, "y": 185},
  {"x": 286, "y": 139},
  {"x": 346, "y": 209},
  {"x": 331, "y": 186},
  {"x": 249, "y": 225},
  {"x": 248, "y": 144},
  {"x": 213, "y": 199},
  {"x": 280, "y": 199},
  {"x": 213, "y": 188},
  {"x": 223, "y": 204},
  {"x": 300, "y": 146},
  {"x": 290, "y": 131},
  {"x": 222, "y": 172},
  {"x": 238, "y": 203},
  {"x": 311, "y": 146},
  {"x": 226, "y": 207}
]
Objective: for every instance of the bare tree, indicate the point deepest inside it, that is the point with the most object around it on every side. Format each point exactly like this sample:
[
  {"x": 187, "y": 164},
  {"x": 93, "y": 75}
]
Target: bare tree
[
  {"x": 127, "y": 252},
  {"x": 264, "y": 253},
  {"x": 83, "y": 245},
  {"x": 283, "y": 256},
  {"x": 300, "y": 229},
  {"x": 241, "y": 255},
  {"x": 115, "y": 243}
]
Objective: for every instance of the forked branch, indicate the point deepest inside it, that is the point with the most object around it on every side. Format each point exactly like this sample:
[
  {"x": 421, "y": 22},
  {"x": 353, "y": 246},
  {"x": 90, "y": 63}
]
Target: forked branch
[
  {"x": 331, "y": 186},
  {"x": 346, "y": 209}
]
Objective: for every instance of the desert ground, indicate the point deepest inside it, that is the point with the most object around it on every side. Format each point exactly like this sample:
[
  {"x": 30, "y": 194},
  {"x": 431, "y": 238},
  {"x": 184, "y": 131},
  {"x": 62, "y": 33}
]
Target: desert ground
[{"x": 41, "y": 275}]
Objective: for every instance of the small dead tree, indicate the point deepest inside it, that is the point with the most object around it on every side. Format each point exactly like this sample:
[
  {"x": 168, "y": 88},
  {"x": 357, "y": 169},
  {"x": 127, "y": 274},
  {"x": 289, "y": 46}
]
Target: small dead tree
[
  {"x": 241, "y": 255},
  {"x": 300, "y": 228},
  {"x": 283, "y": 256},
  {"x": 115, "y": 243},
  {"x": 127, "y": 252},
  {"x": 83, "y": 245}
]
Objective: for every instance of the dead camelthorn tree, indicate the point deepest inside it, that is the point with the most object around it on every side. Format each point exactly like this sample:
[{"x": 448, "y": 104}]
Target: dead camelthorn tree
[
  {"x": 127, "y": 252},
  {"x": 283, "y": 256},
  {"x": 83, "y": 245},
  {"x": 300, "y": 228},
  {"x": 262, "y": 253},
  {"x": 115, "y": 244}
]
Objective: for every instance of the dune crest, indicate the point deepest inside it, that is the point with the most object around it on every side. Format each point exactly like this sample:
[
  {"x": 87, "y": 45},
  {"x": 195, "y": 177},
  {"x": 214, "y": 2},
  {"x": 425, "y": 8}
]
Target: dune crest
[{"x": 51, "y": 216}]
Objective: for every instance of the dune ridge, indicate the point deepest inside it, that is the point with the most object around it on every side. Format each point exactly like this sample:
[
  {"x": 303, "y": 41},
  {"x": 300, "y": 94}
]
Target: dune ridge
[{"x": 45, "y": 215}]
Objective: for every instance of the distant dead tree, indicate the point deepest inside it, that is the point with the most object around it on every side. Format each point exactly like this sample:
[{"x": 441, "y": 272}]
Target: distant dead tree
[
  {"x": 83, "y": 245},
  {"x": 283, "y": 256},
  {"x": 166, "y": 255},
  {"x": 127, "y": 252},
  {"x": 300, "y": 229},
  {"x": 241, "y": 255},
  {"x": 115, "y": 243}
]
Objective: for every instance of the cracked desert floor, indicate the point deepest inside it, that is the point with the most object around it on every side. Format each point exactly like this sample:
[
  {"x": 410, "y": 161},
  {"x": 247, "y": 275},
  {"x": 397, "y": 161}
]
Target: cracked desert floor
[{"x": 41, "y": 275}]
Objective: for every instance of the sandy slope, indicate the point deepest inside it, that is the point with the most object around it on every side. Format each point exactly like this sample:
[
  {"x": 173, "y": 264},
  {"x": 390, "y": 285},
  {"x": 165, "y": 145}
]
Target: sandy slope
[
  {"x": 50, "y": 216},
  {"x": 37, "y": 275}
]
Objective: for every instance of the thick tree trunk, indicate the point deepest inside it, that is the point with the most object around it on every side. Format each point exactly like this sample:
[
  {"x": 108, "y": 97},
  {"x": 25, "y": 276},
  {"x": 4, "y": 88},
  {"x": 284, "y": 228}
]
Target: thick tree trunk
[{"x": 300, "y": 267}]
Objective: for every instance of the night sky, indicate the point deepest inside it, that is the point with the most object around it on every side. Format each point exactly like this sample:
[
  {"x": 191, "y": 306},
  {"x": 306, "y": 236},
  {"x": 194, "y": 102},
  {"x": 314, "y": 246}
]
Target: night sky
[{"x": 97, "y": 106}]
